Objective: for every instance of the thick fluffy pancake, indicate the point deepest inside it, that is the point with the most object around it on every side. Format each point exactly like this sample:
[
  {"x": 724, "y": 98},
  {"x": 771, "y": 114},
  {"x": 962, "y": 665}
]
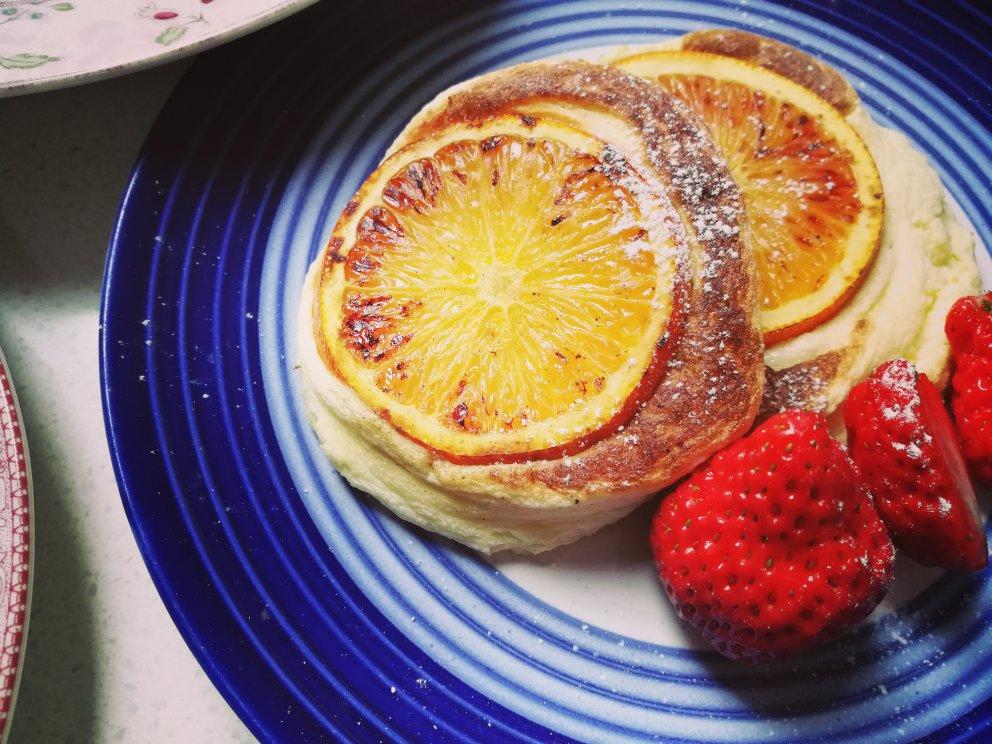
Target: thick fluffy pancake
[
  {"x": 712, "y": 386},
  {"x": 924, "y": 262}
]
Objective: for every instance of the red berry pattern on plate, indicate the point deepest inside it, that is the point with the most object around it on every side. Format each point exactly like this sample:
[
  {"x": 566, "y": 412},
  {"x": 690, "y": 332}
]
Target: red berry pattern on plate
[
  {"x": 773, "y": 546},
  {"x": 969, "y": 329},
  {"x": 902, "y": 440}
]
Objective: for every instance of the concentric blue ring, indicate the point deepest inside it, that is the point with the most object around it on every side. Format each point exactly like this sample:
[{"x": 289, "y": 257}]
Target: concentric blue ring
[{"x": 322, "y": 618}]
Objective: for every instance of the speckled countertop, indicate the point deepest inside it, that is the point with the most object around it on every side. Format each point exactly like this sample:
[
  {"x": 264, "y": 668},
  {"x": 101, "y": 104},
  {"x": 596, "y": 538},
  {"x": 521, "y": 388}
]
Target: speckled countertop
[{"x": 104, "y": 662}]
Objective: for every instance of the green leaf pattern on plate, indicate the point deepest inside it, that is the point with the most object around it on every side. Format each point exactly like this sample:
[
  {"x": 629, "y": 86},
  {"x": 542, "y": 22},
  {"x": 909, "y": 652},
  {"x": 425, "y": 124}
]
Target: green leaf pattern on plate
[
  {"x": 25, "y": 61},
  {"x": 31, "y": 9},
  {"x": 171, "y": 34}
]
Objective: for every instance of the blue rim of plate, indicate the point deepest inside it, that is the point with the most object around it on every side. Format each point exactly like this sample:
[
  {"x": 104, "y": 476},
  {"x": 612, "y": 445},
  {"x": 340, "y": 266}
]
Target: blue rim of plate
[{"x": 318, "y": 616}]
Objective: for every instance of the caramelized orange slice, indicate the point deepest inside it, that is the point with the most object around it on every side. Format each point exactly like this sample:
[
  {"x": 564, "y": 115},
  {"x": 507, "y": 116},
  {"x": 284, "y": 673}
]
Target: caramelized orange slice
[
  {"x": 813, "y": 196},
  {"x": 501, "y": 292}
]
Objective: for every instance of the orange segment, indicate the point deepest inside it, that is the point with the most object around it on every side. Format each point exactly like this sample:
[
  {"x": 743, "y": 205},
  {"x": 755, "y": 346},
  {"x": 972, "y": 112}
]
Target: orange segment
[
  {"x": 501, "y": 296},
  {"x": 812, "y": 193}
]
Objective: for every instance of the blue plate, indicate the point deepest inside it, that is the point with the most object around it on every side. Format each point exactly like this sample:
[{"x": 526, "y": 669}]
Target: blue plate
[{"x": 318, "y": 616}]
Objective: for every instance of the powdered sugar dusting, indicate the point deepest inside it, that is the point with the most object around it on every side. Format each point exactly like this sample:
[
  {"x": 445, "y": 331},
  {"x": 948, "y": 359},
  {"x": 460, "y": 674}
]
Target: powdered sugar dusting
[
  {"x": 658, "y": 220},
  {"x": 795, "y": 388},
  {"x": 900, "y": 380}
]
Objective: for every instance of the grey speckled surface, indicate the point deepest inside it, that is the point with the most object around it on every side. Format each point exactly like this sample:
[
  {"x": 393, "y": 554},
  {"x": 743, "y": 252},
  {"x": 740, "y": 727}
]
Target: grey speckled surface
[{"x": 104, "y": 661}]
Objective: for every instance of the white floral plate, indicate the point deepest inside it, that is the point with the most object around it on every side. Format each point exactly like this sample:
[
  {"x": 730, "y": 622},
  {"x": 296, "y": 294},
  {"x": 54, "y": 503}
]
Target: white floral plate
[{"x": 48, "y": 44}]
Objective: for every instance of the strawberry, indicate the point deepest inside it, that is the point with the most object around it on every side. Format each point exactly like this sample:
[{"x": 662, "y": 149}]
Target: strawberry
[
  {"x": 969, "y": 326},
  {"x": 903, "y": 441},
  {"x": 969, "y": 329},
  {"x": 971, "y": 401},
  {"x": 773, "y": 545}
]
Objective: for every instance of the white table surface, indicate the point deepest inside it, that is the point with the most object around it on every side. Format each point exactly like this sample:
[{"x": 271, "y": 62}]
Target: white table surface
[{"x": 104, "y": 662}]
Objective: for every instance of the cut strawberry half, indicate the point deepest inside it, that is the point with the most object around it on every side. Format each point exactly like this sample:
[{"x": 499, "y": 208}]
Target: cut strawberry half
[{"x": 902, "y": 439}]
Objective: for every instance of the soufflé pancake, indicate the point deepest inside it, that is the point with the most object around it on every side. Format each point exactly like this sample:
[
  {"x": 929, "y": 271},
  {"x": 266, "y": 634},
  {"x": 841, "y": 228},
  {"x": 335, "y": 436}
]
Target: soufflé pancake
[
  {"x": 571, "y": 282},
  {"x": 537, "y": 312}
]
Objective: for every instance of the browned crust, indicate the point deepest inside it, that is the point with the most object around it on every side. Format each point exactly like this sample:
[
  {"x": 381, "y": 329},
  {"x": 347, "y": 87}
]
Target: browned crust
[
  {"x": 802, "y": 385},
  {"x": 806, "y": 385},
  {"x": 784, "y": 59},
  {"x": 713, "y": 384}
]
